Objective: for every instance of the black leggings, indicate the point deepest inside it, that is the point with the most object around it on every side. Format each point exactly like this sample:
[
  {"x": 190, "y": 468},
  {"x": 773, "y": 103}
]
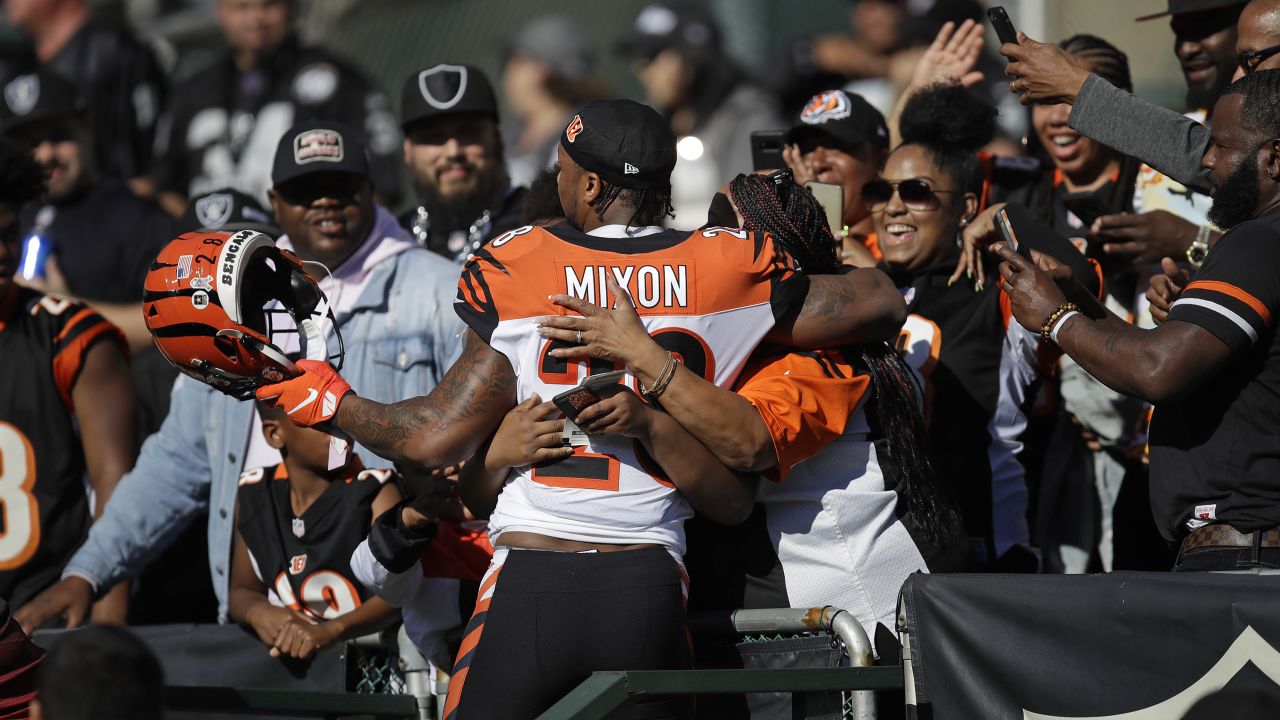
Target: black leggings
[{"x": 553, "y": 618}]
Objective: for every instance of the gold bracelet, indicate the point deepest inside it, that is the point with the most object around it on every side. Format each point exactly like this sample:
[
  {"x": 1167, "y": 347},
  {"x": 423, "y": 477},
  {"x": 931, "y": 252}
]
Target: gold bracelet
[
  {"x": 1046, "y": 329},
  {"x": 662, "y": 380}
]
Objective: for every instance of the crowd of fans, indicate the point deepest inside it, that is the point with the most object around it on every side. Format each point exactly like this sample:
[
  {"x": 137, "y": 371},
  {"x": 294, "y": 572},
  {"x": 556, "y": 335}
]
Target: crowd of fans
[{"x": 1092, "y": 396}]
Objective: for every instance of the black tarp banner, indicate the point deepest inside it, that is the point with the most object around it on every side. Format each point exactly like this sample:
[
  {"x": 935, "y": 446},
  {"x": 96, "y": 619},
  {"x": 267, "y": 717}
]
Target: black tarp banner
[{"x": 1121, "y": 646}]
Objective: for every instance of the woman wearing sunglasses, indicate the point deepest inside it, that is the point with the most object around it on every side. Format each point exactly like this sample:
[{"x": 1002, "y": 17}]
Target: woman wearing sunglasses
[{"x": 979, "y": 371}]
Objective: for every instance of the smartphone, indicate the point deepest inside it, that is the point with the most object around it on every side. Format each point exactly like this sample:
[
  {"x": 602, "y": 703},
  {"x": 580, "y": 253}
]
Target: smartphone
[
  {"x": 576, "y": 399},
  {"x": 1003, "y": 26},
  {"x": 831, "y": 198},
  {"x": 1006, "y": 230},
  {"x": 766, "y": 149}
]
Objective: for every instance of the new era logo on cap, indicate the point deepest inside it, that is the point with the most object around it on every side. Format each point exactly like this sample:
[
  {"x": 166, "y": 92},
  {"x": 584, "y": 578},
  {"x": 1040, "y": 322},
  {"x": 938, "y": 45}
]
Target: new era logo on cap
[
  {"x": 629, "y": 169},
  {"x": 829, "y": 105},
  {"x": 317, "y": 146},
  {"x": 575, "y": 127}
]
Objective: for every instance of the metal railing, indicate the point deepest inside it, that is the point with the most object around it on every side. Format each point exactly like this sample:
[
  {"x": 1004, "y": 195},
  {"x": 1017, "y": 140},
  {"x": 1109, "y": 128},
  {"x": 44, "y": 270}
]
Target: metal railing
[{"x": 605, "y": 692}]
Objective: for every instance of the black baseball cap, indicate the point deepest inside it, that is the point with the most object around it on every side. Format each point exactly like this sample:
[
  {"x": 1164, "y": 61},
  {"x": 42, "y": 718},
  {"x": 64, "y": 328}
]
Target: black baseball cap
[
  {"x": 228, "y": 210},
  {"x": 661, "y": 26},
  {"x": 847, "y": 117},
  {"x": 1177, "y": 7},
  {"x": 318, "y": 146},
  {"x": 446, "y": 90},
  {"x": 623, "y": 141},
  {"x": 38, "y": 97}
]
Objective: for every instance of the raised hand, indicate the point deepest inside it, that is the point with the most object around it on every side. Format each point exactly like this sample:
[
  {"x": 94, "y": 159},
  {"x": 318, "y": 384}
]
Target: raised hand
[
  {"x": 1042, "y": 72},
  {"x": 951, "y": 58}
]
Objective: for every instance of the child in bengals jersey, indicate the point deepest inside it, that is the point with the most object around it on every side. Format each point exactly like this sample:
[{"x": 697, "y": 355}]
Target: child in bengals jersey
[{"x": 297, "y": 524}]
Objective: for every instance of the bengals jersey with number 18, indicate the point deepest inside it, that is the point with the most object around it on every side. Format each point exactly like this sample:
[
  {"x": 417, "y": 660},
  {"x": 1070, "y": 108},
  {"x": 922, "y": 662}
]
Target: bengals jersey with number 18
[
  {"x": 708, "y": 296},
  {"x": 44, "y": 501}
]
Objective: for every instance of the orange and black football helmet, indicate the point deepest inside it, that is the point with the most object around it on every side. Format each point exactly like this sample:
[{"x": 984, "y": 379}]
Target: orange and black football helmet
[{"x": 209, "y": 300}]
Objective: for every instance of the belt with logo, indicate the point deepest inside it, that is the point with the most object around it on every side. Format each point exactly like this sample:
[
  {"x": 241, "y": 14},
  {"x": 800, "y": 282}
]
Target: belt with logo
[{"x": 1223, "y": 535}]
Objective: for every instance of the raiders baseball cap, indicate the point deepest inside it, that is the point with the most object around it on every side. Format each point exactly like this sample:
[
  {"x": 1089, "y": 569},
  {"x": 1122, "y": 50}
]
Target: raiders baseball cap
[
  {"x": 446, "y": 90},
  {"x": 318, "y": 146},
  {"x": 626, "y": 143},
  {"x": 1177, "y": 7},
  {"x": 227, "y": 210},
  {"x": 660, "y": 26},
  {"x": 38, "y": 97},
  {"x": 847, "y": 117}
]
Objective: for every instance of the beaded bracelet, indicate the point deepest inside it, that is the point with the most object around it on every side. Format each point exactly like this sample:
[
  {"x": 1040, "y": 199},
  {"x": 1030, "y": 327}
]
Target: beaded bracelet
[{"x": 1046, "y": 329}]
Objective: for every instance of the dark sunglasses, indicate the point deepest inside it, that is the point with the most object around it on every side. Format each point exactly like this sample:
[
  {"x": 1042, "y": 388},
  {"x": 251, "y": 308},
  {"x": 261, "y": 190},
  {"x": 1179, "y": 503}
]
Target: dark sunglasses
[
  {"x": 310, "y": 188},
  {"x": 1249, "y": 61},
  {"x": 915, "y": 194}
]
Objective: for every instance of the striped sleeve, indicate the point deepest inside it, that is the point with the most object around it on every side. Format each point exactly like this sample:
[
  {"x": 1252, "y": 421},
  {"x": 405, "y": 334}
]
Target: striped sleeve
[
  {"x": 82, "y": 329},
  {"x": 475, "y": 304},
  {"x": 1236, "y": 295}
]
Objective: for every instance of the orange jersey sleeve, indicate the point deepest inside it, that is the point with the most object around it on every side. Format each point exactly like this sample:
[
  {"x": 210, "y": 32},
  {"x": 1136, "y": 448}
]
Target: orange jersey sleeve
[
  {"x": 78, "y": 328},
  {"x": 805, "y": 400}
]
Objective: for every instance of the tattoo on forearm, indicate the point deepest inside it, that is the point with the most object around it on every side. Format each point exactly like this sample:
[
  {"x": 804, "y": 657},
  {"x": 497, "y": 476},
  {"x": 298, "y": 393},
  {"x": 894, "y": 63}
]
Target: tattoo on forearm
[
  {"x": 826, "y": 300},
  {"x": 480, "y": 384}
]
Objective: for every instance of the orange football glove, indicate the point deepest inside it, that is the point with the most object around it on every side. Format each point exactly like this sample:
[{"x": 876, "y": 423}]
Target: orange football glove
[{"x": 310, "y": 398}]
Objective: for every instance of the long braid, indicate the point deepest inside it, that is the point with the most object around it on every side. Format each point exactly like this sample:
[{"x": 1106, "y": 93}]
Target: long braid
[
  {"x": 800, "y": 227},
  {"x": 1111, "y": 64}
]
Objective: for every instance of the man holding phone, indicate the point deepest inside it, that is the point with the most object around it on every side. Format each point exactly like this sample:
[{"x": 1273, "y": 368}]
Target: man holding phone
[{"x": 842, "y": 140}]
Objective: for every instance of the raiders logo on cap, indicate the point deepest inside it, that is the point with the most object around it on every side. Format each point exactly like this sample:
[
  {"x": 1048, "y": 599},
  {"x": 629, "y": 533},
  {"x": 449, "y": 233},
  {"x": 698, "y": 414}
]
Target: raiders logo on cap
[
  {"x": 575, "y": 127},
  {"x": 443, "y": 85},
  {"x": 214, "y": 210},
  {"x": 22, "y": 93},
  {"x": 829, "y": 105},
  {"x": 317, "y": 146}
]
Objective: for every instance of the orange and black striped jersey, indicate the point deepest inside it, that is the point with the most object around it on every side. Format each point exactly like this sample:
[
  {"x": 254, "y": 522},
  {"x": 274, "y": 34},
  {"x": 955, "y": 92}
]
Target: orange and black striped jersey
[
  {"x": 43, "y": 340},
  {"x": 1215, "y": 451},
  {"x": 708, "y": 296}
]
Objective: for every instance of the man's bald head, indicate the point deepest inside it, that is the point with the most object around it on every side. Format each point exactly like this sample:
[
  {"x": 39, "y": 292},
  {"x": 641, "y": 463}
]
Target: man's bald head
[{"x": 1259, "y": 30}]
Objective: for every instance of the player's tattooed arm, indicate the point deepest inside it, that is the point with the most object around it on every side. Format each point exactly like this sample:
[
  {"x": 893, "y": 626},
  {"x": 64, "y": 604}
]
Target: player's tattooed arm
[
  {"x": 858, "y": 307},
  {"x": 442, "y": 428}
]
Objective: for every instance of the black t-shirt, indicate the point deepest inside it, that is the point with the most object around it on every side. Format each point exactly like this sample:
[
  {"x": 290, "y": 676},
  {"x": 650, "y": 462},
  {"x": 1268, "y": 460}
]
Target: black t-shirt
[
  {"x": 306, "y": 560},
  {"x": 43, "y": 504},
  {"x": 1215, "y": 453},
  {"x": 105, "y": 240},
  {"x": 223, "y": 125},
  {"x": 123, "y": 89},
  {"x": 456, "y": 243}
]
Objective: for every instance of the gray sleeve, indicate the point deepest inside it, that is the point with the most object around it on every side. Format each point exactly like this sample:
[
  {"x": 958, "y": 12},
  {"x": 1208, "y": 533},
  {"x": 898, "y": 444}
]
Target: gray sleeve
[{"x": 1167, "y": 141}]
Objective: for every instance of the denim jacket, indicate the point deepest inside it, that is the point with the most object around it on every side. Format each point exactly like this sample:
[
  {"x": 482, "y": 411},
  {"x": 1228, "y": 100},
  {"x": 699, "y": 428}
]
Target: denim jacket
[{"x": 401, "y": 336}]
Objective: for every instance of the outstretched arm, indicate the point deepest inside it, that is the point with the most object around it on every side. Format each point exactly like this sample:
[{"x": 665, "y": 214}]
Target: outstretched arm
[
  {"x": 442, "y": 428},
  {"x": 858, "y": 307}
]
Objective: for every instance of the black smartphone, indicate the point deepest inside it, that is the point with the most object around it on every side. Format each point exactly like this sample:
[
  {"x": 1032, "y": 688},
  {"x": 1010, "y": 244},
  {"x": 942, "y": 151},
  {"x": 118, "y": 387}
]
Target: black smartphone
[
  {"x": 766, "y": 149},
  {"x": 576, "y": 399},
  {"x": 999, "y": 18}
]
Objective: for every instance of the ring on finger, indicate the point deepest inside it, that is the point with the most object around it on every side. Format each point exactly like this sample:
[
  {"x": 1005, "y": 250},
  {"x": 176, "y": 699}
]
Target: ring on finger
[{"x": 579, "y": 337}]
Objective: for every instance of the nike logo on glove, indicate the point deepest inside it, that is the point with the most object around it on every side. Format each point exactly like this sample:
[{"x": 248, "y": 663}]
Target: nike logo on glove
[{"x": 312, "y": 394}]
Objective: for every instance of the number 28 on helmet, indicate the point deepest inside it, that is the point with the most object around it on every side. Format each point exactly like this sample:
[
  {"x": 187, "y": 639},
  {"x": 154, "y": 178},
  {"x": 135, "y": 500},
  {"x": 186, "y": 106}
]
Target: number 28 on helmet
[{"x": 209, "y": 300}]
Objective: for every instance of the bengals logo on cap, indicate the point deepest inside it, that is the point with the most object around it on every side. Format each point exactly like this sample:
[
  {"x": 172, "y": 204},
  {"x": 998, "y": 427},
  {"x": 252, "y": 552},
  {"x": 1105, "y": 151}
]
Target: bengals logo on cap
[
  {"x": 829, "y": 105},
  {"x": 575, "y": 127}
]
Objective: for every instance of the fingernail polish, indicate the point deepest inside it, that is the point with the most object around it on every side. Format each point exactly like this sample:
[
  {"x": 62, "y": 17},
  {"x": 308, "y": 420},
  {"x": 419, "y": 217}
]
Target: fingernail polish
[{"x": 951, "y": 281}]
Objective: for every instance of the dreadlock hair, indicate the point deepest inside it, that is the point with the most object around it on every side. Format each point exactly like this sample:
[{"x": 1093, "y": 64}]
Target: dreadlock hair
[
  {"x": 1111, "y": 64},
  {"x": 650, "y": 206},
  {"x": 21, "y": 179},
  {"x": 799, "y": 226},
  {"x": 951, "y": 124},
  {"x": 798, "y": 223}
]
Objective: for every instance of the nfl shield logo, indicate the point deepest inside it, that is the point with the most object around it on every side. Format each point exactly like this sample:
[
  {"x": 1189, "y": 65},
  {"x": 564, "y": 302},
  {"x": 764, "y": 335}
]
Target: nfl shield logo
[
  {"x": 214, "y": 210},
  {"x": 22, "y": 93},
  {"x": 299, "y": 527},
  {"x": 443, "y": 85}
]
